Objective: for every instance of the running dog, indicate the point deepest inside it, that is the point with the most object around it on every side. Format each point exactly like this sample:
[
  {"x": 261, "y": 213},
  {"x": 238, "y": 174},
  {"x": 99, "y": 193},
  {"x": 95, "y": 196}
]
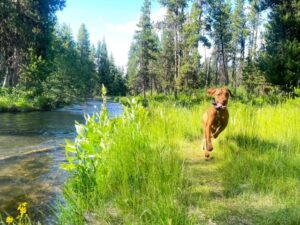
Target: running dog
[{"x": 215, "y": 119}]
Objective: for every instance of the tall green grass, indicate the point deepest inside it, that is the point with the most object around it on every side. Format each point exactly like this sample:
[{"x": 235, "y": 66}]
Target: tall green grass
[
  {"x": 126, "y": 170},
  {"x": 132, "y": 169},
  {"x": 260, "y": 161},
  {"x": 15, "y": 100}
]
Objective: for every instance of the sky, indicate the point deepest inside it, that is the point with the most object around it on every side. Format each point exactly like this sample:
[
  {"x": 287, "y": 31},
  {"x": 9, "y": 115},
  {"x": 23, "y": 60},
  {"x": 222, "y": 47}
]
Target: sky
[{"x": 112, "y": 20}]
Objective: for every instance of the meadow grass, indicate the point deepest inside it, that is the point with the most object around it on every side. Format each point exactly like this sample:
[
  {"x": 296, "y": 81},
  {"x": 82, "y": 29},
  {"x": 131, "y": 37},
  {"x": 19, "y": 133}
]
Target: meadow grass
[
  {"x": 254, "y": 178},
  {"x": 146, "y": 167}
]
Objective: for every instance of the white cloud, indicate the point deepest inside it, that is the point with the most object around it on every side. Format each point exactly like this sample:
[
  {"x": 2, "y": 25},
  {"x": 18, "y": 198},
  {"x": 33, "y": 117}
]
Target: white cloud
[
  {"x": 128, "y": 27},
  {"x": 159, "y": 14},
  {"x": 119, "y": 36}
]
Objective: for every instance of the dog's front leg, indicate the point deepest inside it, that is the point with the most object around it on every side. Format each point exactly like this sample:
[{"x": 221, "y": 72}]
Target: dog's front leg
[
  {"x": 208, "y": 136},
  {"x": 219, "y": 130},
  {"x": 223, "y": 125}
]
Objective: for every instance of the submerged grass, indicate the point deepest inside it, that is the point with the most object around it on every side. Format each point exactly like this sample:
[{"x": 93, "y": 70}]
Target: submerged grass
[{"x": 146, "y": 167}]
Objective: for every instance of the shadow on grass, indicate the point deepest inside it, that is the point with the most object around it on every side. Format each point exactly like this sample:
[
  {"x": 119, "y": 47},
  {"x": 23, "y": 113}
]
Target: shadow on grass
[
  {"x": 251, "y": 181},
  {"x": 249, "y": 215},
  {"x": 252, "y": 143}
]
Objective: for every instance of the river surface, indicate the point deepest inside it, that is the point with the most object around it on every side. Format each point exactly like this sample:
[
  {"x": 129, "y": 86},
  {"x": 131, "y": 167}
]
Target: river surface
[{"x": 31, "y": 152}]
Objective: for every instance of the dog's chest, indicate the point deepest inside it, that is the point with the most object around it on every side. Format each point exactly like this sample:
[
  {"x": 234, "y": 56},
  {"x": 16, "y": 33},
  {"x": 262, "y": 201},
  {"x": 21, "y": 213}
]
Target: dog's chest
[{"x": 220, "y": 120}]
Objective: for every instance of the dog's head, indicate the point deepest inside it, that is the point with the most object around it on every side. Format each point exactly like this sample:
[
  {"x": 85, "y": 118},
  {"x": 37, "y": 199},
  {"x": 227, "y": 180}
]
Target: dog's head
[{"x": 221, "y": 95}]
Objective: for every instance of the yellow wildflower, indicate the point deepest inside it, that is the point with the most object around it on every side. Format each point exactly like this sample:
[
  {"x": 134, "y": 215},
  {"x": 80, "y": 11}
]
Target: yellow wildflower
[
  {"x": 23, "y": 205},
  {"x": 23, "y": 210},
  {"x": 9, "y": 220}
]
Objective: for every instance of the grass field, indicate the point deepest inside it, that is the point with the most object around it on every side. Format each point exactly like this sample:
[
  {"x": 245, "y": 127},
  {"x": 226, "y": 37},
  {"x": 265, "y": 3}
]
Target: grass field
[{"x": 147, "y": 167}]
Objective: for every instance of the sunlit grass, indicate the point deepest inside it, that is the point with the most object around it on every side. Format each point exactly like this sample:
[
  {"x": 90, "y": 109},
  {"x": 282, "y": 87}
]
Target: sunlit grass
[
  {"x": 15, "y": 100},
  {"x": 254, "y": 178},
  {"x": 153, "y": 172}
]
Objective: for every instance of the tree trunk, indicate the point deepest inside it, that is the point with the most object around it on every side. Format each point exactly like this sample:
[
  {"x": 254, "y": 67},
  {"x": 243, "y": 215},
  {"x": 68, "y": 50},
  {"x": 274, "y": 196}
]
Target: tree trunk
[
  {"x": 144, "y": 86},
  {"x": 6, "y": 77},
  {"x": 217, "y": 71},
  {"x": 234, "y": 72},
  {"x": 207, "y": 80},
  {"x": 224, "y": 62}
]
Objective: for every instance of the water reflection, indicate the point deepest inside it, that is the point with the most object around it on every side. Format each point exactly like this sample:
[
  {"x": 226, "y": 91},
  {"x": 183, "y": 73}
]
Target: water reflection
[{"x": 37, "y": 178}]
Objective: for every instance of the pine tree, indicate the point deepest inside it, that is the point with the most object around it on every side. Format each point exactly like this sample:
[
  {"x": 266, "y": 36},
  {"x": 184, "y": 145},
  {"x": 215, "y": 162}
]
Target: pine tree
[
  {"x": 25, "y": 33},
  {"x": 63, "y": 83},
  {"x": 176, "y": 19},
  {"x": 239, "y": 35},
  {"x": 87, "y": 67},
  {"x": 219, "y": 12},
  {"x": 167, "y": 60},
  {"x": 102, "y": 66},
  {"x": 147, "y": 45},
  {"x": 280, "y": 60},
  {"x": 132, "y": 68},
  {"x": 192, "y": 35}
]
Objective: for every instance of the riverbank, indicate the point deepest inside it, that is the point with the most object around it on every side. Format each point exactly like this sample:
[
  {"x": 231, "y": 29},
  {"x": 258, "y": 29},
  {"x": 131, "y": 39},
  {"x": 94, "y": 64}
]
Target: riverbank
[
  {"x": 149, "y": 168},
  {"x": 31, "y": 153},
  {"x": 14, "y": 100}
]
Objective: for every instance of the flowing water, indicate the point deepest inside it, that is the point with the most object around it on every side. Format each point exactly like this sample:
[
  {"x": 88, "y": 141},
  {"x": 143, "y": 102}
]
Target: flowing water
[{"x": 31, "y": 153}]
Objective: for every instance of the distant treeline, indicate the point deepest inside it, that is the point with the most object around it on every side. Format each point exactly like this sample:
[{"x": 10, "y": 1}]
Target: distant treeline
[
  {"x": 41, "y": 57},
  {"x": 254, "y": 43}
]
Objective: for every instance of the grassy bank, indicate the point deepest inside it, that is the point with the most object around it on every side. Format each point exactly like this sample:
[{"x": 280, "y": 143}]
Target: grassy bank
[
  {"x": 14, "y": 100},
  {"x": 147, "y": 167}
]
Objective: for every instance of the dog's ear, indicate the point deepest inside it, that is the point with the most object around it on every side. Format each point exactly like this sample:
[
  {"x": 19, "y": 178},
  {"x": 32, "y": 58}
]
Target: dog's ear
[
  {"x": 231, "y": 95},
  {"x": 211, "y": 91}
]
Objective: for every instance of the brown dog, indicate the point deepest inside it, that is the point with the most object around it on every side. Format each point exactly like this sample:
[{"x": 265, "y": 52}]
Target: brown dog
[{"x": 215, "y": 119}]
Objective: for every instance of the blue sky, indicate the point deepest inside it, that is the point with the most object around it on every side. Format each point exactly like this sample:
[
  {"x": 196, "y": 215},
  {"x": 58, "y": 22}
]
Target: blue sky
[{"x": 114, "y": 20}]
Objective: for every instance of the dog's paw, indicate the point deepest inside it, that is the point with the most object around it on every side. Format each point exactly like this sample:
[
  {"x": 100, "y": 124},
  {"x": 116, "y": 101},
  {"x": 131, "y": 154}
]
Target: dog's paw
[
  {"x": 206, "y": 154},
  {"x": 209, "y": 158},
  {"x": 209, "y": 147}
]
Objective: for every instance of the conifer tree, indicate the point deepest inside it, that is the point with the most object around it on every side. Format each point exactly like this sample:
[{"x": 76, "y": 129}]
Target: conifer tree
[
  {"x": 132, "y": 68},
  {"x": 280, "y": 60},
  {"x": 103, "y": 66},
  {"x": 146, "y": 45},
  {"x": 87, "y": 68},
  {"x": 239, "y": 35},
  {"x": 175, "y": 21}
]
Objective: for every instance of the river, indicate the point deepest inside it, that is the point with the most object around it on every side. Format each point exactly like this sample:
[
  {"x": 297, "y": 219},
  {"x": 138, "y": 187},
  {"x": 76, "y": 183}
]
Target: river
[{"x": 31, "y": 152}]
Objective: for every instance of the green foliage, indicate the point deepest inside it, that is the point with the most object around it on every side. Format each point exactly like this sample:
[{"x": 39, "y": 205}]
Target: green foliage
[
  {"x": 262, "y": 164},
  {"x": 132, "y": 71},
  {"x": 15, "y": 100},
  {"x": 281, "y": 57},
  {"x": 124, "y": 170},
  {"x": 189, "y": 73},
  {"x": 93, "y": 138},
  {"x": 144, "y": 51},
  {"x": 25, "y": 25},
  {"x": 139, "y": 178},
  {"x": 102, "y": 66},
  {"x": 220, "y": 22},
  {"x": 34, "y": 74},
  {"x": 166, "y": 60},
  {"x": 86, "y": 65}
]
